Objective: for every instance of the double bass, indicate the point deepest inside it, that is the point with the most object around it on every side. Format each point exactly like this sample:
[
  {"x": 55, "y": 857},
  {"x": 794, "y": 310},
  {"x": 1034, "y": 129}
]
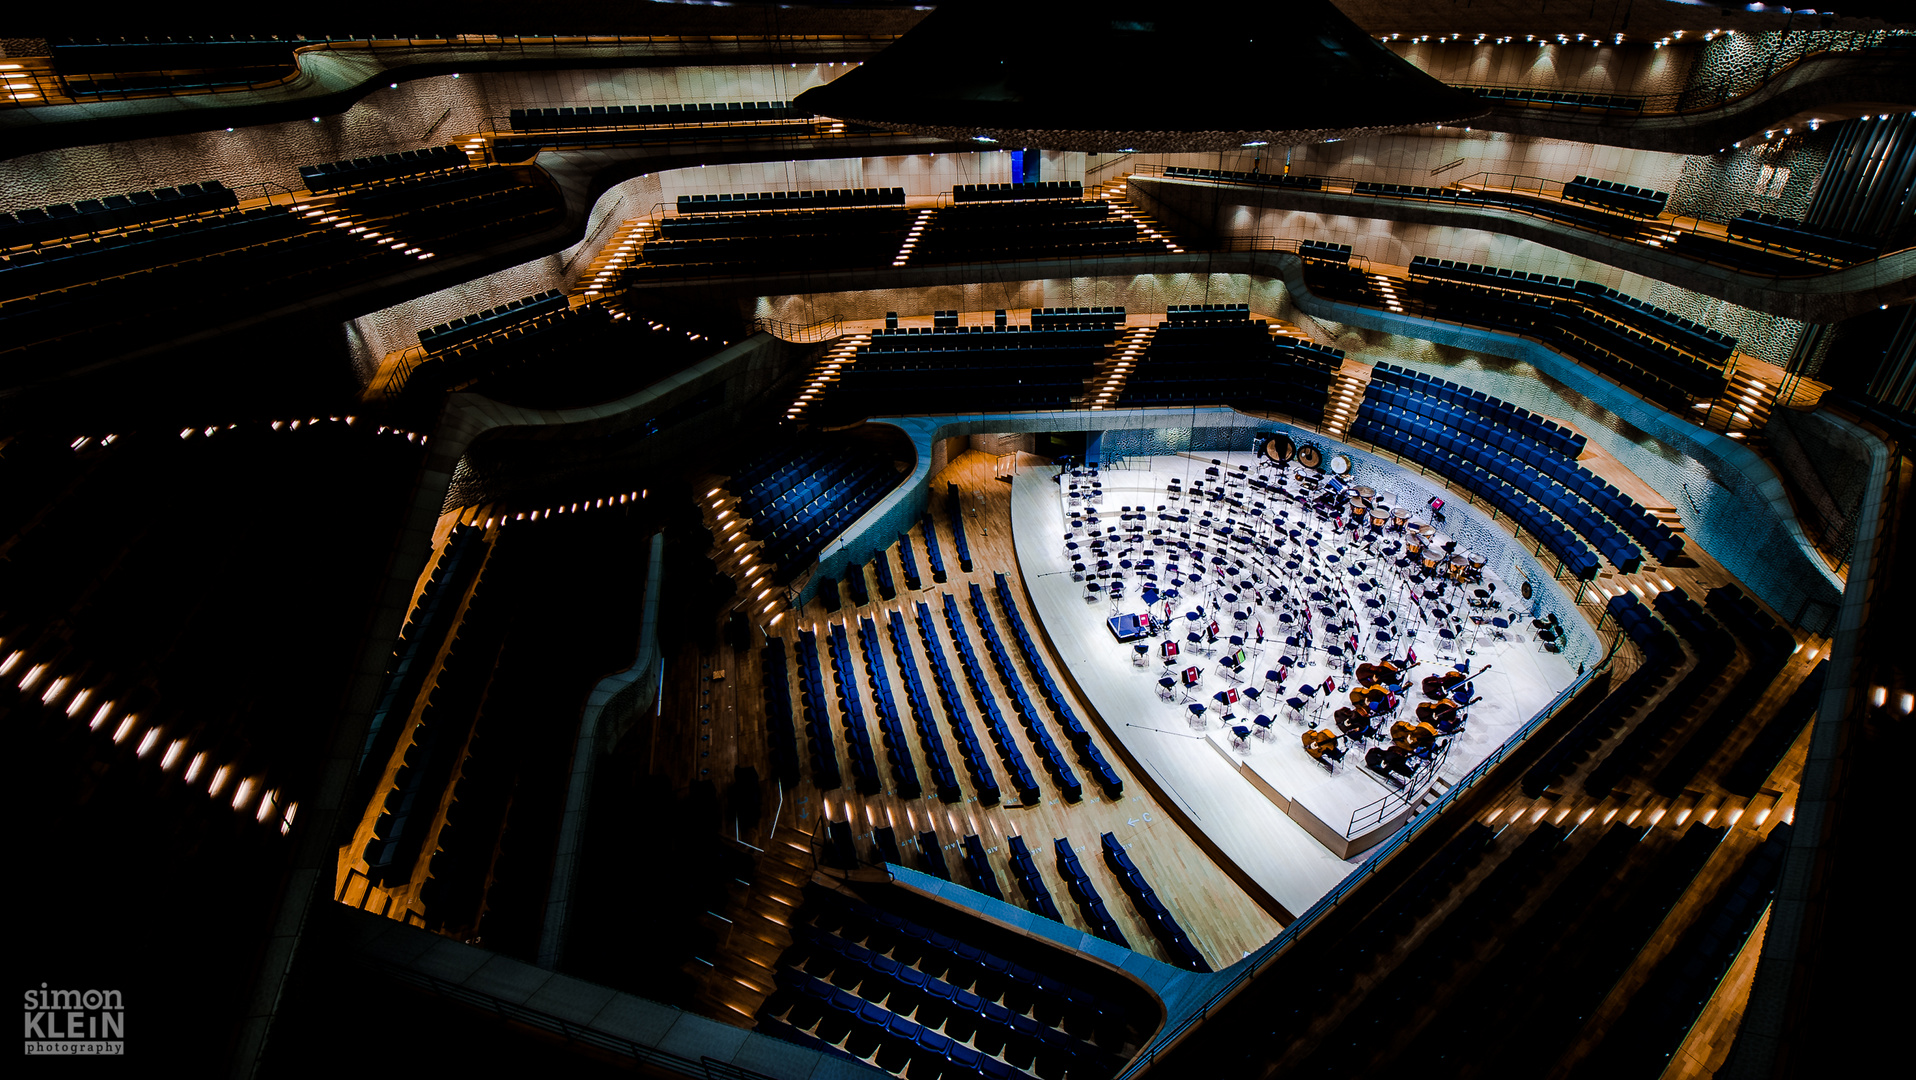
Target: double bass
[{"x": 1322, "y": 745}]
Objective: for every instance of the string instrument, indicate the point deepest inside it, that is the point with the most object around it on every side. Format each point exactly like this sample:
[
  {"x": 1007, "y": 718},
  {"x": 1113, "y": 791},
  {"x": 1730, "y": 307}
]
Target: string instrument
[
  {"x": 1369, "y": 699},
  {"x": 1409, "y": 736},
  {"x": 1322, "y": 744},
  {"x": 1442, "y": 714},
  {"x": 1389, "y": 759},
  {"x": 1381, "y": 674},
  {"x": 1437, "y": 686},
  {"x": 1352, "y": 723}
]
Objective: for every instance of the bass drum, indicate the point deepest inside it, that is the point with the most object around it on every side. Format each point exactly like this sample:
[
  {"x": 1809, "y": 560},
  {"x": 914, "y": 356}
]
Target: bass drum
[
  {"x": 1309, "y": 456},
  {"x": 1280, "y": 448},
  {"x": 1340, "y": 465}
]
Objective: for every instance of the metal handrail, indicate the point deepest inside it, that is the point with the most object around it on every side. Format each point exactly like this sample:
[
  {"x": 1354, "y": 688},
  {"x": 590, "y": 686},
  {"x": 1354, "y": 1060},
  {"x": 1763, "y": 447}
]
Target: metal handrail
[
  {"x": 830, "y": 326},
  {"x": 1289, "y": 935},
  {"x": 1414, "y": 787}
]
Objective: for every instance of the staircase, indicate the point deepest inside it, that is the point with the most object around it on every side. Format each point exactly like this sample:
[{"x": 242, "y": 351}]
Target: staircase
[
  {"x": 912, "y": 236},
  {"x": 622, "y": 250},
  {"x": 1113, "y": 191},
  {"x": 1432, "y": 794},
  {"x": 841, "y": 353},
  {"x": 1106, "y": 384},
  {"x": 1346, "y": 392},
  {"x": 1744, "y": 408},
  {"x": 735, "y": 553}
]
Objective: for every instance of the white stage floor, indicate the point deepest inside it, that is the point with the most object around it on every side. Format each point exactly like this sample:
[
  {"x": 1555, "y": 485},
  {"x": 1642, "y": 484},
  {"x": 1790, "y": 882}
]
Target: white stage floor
[{"x": 1258, "y": 803}]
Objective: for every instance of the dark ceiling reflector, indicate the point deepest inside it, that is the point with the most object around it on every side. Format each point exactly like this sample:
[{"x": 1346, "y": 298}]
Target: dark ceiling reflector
[{"x": 1154, "y": 78}]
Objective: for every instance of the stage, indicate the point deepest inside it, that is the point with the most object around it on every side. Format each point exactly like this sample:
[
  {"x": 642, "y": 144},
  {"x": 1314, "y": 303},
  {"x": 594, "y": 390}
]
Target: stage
[{"x": 1263, "y": 802}]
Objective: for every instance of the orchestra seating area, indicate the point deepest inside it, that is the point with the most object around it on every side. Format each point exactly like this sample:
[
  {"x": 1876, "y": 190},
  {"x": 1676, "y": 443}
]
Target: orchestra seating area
[
  {"x": 923, "y": 990},
  {"x": 799, "y": 494},
  {"x": 1223, "y": 356},
  {"x": 1029, "y": 229},
  {"x": 700, "y": 244},
  {"x": 967, "y": 369}
]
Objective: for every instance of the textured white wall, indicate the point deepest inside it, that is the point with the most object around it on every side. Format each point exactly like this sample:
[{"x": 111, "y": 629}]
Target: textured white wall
[
  {"x": 1143, "y": 293},
  {"x": 1630, "y": 68},
  {"x": 424, "y": 112}
]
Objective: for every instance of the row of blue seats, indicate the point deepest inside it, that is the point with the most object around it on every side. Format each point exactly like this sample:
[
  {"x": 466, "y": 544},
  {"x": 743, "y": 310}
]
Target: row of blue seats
[
  {"x": 850, "y": 694},
  {"x": 1781, "y": 232},
  {"x": 591, "y": 116},
  {"x": 887, "y": 586},
  {"x": 932, "y": 1003},
  {"x": 1074, "y": 729},
  {"x": 1692, "y": 337},
  {"x": 1661, "y": 656},
  {"x": 994, "y": 977},
  {"x": 855, "y": 581},
  {"x": 1495, "y": 277},
  {"x": 1541, "y": 429},
  {"x": 1324, "y": 251},
  {"x": 1008, "y": 750},
  {"x": 969, "y": 749},
  {"x": 1769, "y": 647},
  {"x": 818, "y": 718},
  {"x": 908, "y": 561},
  {"x": 1054, "y": 759},
  {"x": 891, "y": 729},
  {"x": 1713, "y": 647},
  {"x": 1047, "y": 189},
  {"x": 788, "y": 506},
  {"x": 1636, "y": 522},
  {"x": 821, "y": 199},
  {"x": 1155, "y": 913},
  {"x": 458, "y": 331},
  {"x": 1206, "y": 314},
  {"x": 1076, "y": 318},
  {"x": 1773, "y": 740},
  {"x": 25, "y": 273},
  {"x": 781, "y": 731},
  {"x": 972, "y": 851},
  {"x": 944, "y": 778},
  {"x": 868, "y": 1029},
  {"x": 954, "y": 508},
  {"x": 369, "y": 170},
  {"x": 933, "y": 554},
  {"x": 835, "y": 510},
  {"x": 1634, "y": 200},
  {"x": 758, "y": 481},
  {"x": 32, "y": 225},
  {"x": 1030, "y": 882},
  {"x": 1291, "y": 180},
  {"x": 1533, "y": 519},
  {"x": 1079, "y": 884}
]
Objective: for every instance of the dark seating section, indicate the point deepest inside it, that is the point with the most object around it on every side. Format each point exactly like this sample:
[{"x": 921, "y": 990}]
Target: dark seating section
[
  {"x": 1582, "y": 216},
  {"x": 1054, "y": 759},
  {"x": 855, "y": 582},
  {"x": 1515, "y": 443},
  {"x": 1773, "y": 740},
  {"x": 783, "y": 241},
  {"x": 904, "y": 988},
  {"x": 833, "y": 198},
  {"x": 352, "y": 172},
  {"x": 967, "y": 369},
  {"x": 1076, "y": 318},
  {"x": 818, "y": 718},
  {"x": 466, "y": 328},
  {"x": 1045, "y": 228},
  {"x": 908, "y": 562},
  {"x": 1769, "y": 647},
  {"x": 706, "y": 128},
  {"x": 933, "y": 856},
  {"x": 1713, "y": 648},
  {"x": 97, "y": 67},
  {"x": 34, "y": 225},
  {"x": 933, "y": 555},
  {"x": 845, "y": 673},
  {"x": 1770, "y": 262},
  {"x": 455, "y": 210},
  {"x": 1009, "y": 752},
  {"x": 1090, "y": 904},
  {"x": 1784, "y": 234},
  {"x": 1074, "y": 729},
  {"x": 801, "y": 494},
  {"x": 955, "y": 510},
  {"x": 1030, "y": 882},
  {"x": 1662, "y": 656},
  {"x": 962, "y": 732},
  {"x": 1528, "y": 95},
  {"x": 1631, "y": 200},
  {"x": 1662, "y": 1012},
  {"x": 983, "y": 878},
  {"x": 1291, "y": 180},
  {"x": 881, "y": 568},
  {"x": 1155, "y": 914},
  {"x": 891, "y": 730},
  {"x": 943, "y": 778},
  {"x": 1324, "y": 251},
  {"x": 1049, "y": 189},
  {"x": 781, "y": 732},
  {"x": 1221, "y": 356},
  {"x": 1694, "y": 338},
  {"x": 1495, "y": 277},
  {"x": 425, "y": 630},
  {"x": 611, "y": 116}
]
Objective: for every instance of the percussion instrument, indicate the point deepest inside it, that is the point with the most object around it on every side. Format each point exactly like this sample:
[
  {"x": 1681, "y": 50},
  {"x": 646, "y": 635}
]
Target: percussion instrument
[
  {"x": 1280, "y": 448},
  {"x": 1366, "y": 492},
  {"x": 1415, "y": 526},
  {"x": 1309, "y": 456},
  {"x": 1413, "y": 543},
  {"x": 1457, "y": 566},
  {"x": 1359, "y": 508},
  {"x": 1432, "y": 556},
  {"x": 1340, "y": 464},
  {"x": 1399, "y": 517},
  {"x": 1427, "y": 530},
  {"x": 1379, "y": 516},
  {"x": 1476, "y": 560}
]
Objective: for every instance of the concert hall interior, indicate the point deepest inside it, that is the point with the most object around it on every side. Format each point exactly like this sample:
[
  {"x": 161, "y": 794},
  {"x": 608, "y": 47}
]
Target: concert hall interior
[{"x": 1097, "y": 541}]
